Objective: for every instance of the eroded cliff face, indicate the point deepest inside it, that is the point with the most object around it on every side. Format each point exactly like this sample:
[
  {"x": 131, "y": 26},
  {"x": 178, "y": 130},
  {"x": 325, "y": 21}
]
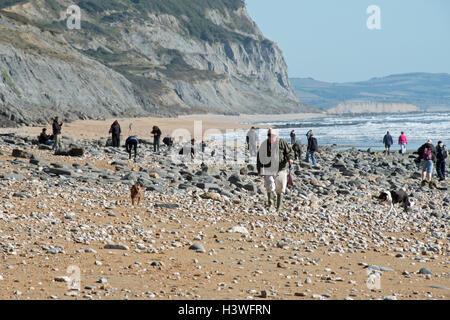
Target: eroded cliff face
[{"x": 132, "y": 59}]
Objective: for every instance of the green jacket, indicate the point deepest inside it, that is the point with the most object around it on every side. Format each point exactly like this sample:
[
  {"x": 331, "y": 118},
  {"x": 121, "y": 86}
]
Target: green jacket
[{"x": 284, "y": 154}]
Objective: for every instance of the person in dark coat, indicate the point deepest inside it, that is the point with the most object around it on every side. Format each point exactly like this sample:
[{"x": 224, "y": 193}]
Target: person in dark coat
[
  {"x": 292, "y": 135},
  {"x": 388, "y": 142},
  {"x": 46, "y": 139},
  {"x": 115, "y": 132},
  {"x": 312, "y": 148},
  {"x": 131, "y": 143},
  {"x": 168, "y": 141},
  {"x": 156, "y": 132},
  {"x": 203, "y": 145},
  {"x": 441, "y": 155}
]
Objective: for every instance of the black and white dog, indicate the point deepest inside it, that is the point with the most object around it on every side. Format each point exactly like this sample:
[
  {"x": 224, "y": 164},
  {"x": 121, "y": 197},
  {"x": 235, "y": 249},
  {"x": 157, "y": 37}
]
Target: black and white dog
[{"x": 396, "y": 196}]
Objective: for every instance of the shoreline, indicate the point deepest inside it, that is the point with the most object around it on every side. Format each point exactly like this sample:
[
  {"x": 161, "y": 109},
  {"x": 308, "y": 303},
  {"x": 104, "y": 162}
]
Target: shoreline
[{"x": 141, "y": 127}]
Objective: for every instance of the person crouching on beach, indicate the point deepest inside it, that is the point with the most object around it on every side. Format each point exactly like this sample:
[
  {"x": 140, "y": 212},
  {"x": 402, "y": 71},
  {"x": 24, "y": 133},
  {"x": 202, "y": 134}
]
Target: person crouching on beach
[
  {"x": 44, "y": 138},
  {"x": 168, "y": 141},
  {"x": 297, "y": 148},
  {"x": 131, "y": 143},
  {"x": 402, "y": 141},
  {"x": 273, "y": 159}
]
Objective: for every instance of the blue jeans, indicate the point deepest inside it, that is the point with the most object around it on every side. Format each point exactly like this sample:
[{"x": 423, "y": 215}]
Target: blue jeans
[
  {"x": 313, "y": 157},
  {"x": 440, "y": 168},
  {"x": 427, "y": 165}
]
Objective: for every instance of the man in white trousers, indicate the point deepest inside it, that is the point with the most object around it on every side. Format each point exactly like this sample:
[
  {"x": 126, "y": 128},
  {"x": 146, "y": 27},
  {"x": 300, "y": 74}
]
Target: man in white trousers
[{"x": 273, "y": 160}]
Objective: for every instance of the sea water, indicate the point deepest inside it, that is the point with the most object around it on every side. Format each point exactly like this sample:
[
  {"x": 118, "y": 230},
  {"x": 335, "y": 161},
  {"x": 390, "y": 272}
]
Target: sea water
[{"x": 361, "y": 131}]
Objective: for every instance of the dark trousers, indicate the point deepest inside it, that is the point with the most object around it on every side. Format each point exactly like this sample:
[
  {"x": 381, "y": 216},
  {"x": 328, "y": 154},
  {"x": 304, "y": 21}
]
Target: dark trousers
[
  {"x": 298, "y": 154},
  {"x": 129, "y": 146},
  {"x": 116, "y": 140},
  {"x": 440, "y": 168},
  {"x": 156, "y": 143}
]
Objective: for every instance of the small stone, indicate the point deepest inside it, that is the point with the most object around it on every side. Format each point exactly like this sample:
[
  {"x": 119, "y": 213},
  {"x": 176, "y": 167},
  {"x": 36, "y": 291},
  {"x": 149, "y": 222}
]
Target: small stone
[
  {"x": 238, "y": 229},
  {"x": 211, "y": 196},
  {"x": 198, "y": 247},
  {"x": 116, "y": 246},
  {"x": 102, "y": 280},
  {"x": 62, "y": 279},
  {"x": 378, "y": 268},
  {"x": 424, "y": 271},
  {"x": 167, "y": 205}
]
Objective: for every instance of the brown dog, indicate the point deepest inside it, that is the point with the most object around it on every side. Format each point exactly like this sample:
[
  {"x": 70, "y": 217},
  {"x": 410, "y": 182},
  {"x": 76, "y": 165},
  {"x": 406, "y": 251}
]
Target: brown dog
[{"x": 136, "y": 193}]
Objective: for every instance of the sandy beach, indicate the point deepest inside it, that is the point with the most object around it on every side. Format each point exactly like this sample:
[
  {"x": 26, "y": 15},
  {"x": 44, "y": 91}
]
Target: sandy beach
[
  {"x": 206, "y": 234},
  {"x": 141, "y": 127},
  {"x": 60, "y": 212}
]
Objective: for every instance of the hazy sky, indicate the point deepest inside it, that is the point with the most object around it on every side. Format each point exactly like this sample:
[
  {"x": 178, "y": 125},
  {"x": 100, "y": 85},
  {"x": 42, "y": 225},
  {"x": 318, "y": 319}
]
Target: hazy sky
[{"x": 329, "y": 40}]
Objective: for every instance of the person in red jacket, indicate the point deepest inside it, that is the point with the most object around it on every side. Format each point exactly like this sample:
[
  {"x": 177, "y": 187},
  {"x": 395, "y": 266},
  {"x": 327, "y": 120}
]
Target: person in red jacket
[{"x": 402, "y": 141}]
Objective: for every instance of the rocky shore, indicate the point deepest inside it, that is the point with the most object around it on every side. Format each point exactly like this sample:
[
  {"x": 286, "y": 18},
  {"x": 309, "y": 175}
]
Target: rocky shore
[{"x": 202, "y": 230}]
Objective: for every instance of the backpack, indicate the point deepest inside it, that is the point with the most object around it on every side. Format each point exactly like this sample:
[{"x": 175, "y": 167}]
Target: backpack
[
  {"x": 442, "y": 154},
  {"x": 427, "y": 154}
]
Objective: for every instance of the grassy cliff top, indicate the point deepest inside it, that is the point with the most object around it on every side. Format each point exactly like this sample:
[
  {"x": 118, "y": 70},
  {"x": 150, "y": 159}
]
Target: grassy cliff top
[{"x": 190, "y": 13}]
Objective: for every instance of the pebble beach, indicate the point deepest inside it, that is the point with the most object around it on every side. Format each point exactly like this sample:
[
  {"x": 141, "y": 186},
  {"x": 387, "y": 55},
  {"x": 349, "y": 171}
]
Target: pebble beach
[{"x": 68, "y": 229}]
